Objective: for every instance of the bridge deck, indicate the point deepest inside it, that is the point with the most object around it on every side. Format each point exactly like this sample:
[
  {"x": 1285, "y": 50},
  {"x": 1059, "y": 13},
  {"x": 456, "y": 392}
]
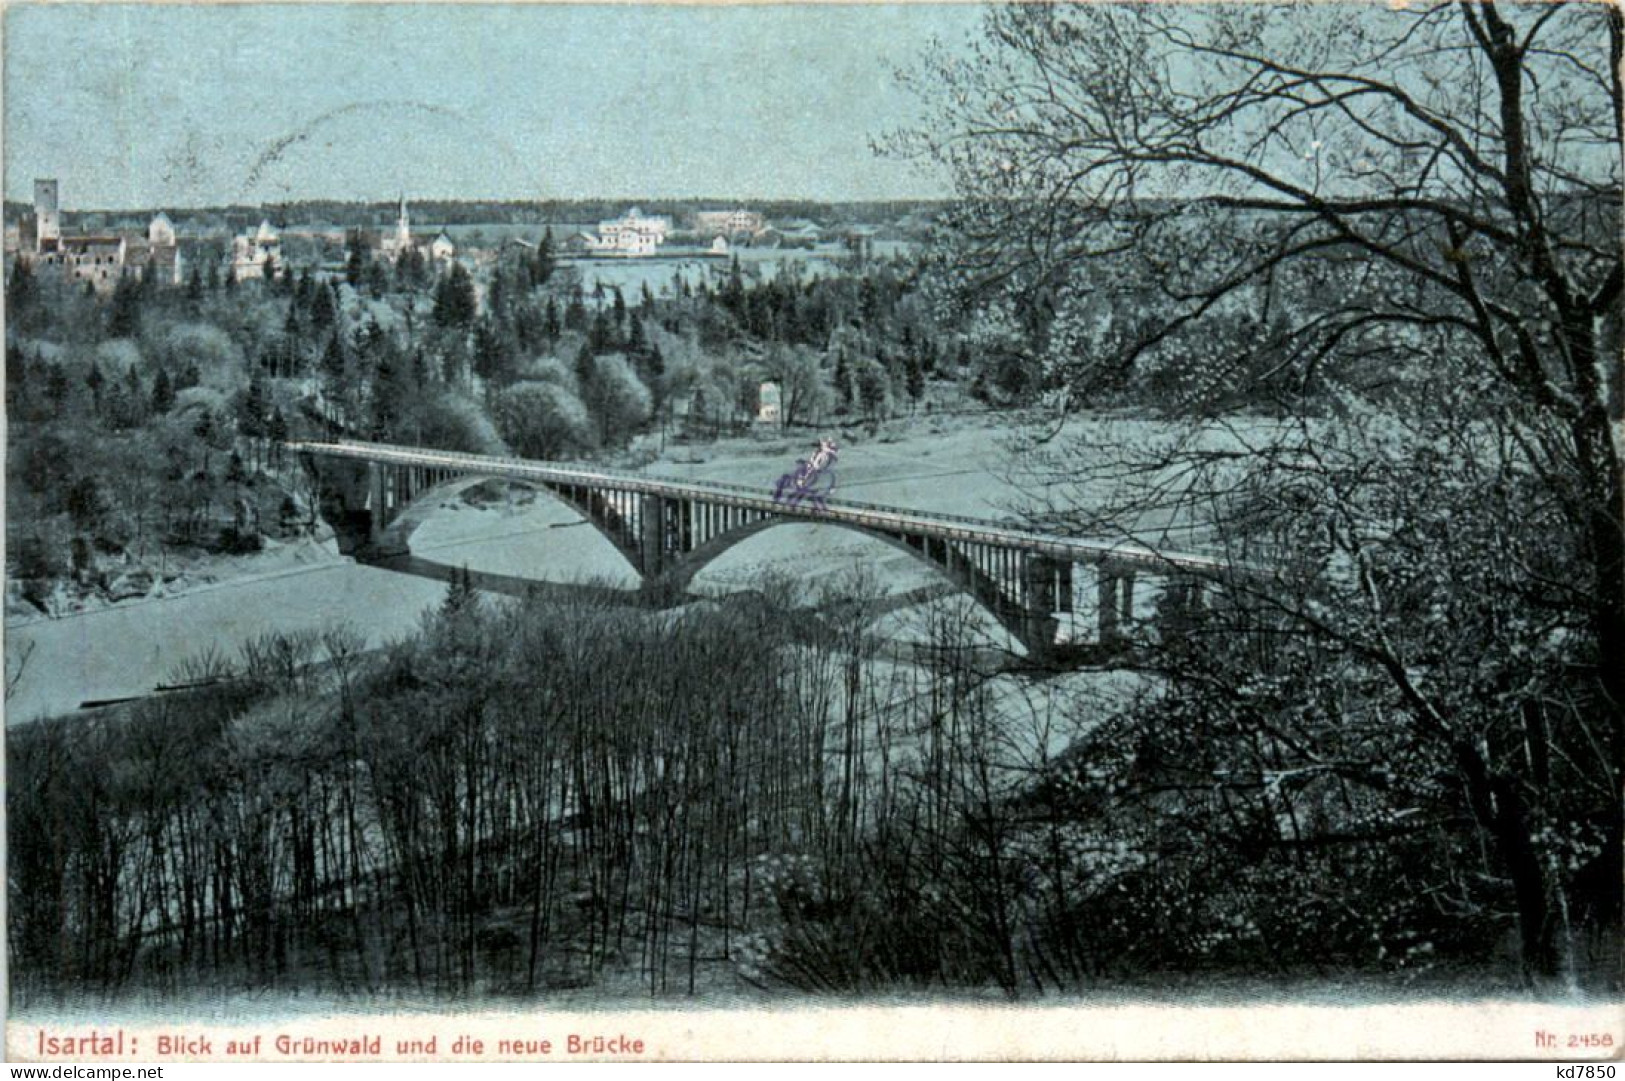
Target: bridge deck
[{"x": 867, "y": 515}]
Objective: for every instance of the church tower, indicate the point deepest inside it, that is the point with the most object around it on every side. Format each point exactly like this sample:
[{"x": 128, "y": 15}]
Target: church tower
[{"x": 403, "y": 230}]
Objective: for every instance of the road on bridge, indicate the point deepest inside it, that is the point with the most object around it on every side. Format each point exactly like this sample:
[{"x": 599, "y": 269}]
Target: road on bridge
[{"x": 866, "y": 515}]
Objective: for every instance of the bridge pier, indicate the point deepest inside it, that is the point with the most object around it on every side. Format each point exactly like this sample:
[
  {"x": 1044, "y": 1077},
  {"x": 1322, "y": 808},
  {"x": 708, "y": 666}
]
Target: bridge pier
[
  {"x": 1178, "y": 607},
  {"x": 375, "y": 502},
  {"x": 1115, "y": 587},
  {"x": 1040, "y": 581},
  {"x": 652, "y": 519}
]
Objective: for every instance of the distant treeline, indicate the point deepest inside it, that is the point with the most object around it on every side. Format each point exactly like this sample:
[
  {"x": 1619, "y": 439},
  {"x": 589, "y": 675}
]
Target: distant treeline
[{"x": 350, "y": 214}]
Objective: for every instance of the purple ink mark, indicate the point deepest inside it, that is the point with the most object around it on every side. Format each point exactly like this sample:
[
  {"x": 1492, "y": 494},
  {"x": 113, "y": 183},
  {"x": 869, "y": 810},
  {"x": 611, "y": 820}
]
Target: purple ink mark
[{"x": 812, "y": 480}]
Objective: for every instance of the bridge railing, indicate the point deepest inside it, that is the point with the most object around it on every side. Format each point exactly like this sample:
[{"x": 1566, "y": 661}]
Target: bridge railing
[{"x": 875, "y": 515}]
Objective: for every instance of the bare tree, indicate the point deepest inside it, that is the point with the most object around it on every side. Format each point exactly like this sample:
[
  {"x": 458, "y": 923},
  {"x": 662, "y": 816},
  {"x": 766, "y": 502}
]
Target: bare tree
[
  {"x": 1391, "y": 238},
  {"x": 16, "y": 667}
]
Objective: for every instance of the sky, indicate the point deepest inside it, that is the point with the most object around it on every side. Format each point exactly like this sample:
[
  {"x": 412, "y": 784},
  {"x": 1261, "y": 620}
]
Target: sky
[{"x": 132, "y": 106}]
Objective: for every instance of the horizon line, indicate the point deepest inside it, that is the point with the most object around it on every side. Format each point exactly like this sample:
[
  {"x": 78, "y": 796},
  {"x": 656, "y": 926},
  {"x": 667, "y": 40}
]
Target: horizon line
[{"x": 642, "y": 202}]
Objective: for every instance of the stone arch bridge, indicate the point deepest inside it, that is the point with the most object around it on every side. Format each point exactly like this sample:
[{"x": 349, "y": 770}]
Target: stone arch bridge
[{"x": 669, "y": 530}]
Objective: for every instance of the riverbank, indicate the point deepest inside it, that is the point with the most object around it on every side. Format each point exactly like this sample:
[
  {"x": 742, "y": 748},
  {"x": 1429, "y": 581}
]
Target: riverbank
[{"x": 179, "y": 575}]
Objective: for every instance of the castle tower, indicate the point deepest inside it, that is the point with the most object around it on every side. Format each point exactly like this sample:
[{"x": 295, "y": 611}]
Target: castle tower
[{"x": 48, "y": 221}]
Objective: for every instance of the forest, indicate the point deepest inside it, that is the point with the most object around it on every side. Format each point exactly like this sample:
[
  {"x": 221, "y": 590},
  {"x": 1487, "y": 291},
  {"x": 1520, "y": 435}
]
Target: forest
[
  {"x": 173, "y": 397},
  {"x": 535, "y": 796},
  {"x": 550, "y": 795}
]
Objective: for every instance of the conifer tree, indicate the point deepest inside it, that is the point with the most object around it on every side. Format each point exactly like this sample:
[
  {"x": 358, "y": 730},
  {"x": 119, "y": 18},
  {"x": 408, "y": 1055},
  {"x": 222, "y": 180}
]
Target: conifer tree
[{"x": 163, "y": 392}]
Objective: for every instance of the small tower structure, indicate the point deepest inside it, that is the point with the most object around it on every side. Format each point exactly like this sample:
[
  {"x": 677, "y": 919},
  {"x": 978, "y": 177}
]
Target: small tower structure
[{"x": 47, "y": 218}]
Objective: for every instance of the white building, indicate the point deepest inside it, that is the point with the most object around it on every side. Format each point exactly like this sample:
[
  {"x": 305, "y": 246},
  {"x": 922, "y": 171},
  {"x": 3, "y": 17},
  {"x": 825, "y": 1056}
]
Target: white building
[
  {"x": 768, "y": 400},
  {"x": 161, "y": 232},
  {"x": 632, "y": 234},
  {"x": 393, "y": 246},
  {"x": 441, "y": 249},
  {"x": 252, "y": 252},
  {"x": 159, "y": 255}
]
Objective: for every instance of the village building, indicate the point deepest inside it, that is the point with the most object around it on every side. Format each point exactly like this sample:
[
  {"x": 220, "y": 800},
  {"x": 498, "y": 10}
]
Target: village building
[
  {"x": 632, "y": 234},
  {"x": 800, "y": 234},
  {"x": 729, "y": 223},
  {"x": 252, "y": 254},
  {"x": 579, "y": 243},
  {"x": 441, "y": 248},
  {"x": 158, "y": 256},
  {"x": 393, "y": 246},
  {"x": 768, "y": 402},
  {"x": 99, "y": 259}
]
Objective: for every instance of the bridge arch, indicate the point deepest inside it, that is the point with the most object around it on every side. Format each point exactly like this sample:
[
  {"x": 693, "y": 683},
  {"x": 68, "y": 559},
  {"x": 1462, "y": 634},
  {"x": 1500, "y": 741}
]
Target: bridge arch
[
  {"x": 409, "y": 517},
  {"x": 960, "y": 573}
]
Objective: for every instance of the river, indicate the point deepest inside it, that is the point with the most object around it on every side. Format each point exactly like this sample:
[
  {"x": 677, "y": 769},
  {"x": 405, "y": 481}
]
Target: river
[{"x": 129, "y": 649}]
